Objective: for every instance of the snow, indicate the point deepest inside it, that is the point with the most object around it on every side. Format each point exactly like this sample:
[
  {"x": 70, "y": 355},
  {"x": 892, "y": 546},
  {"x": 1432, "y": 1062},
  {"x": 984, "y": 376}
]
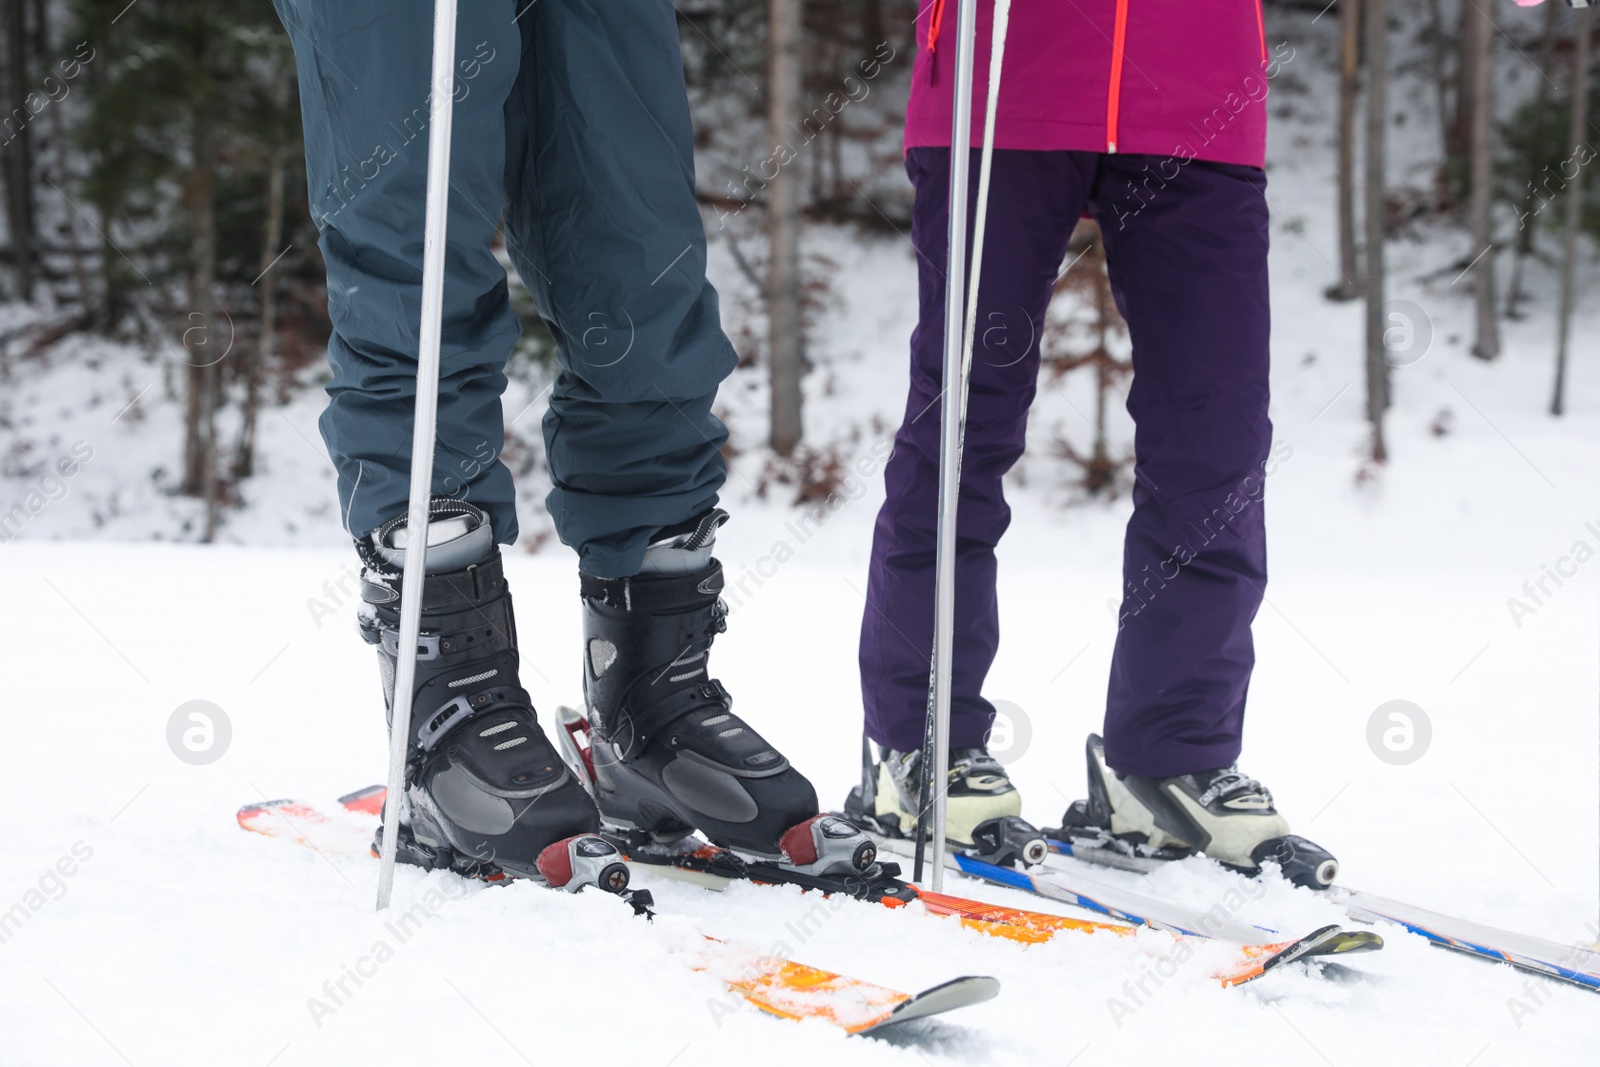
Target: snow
[{"x": 179, "y": 939}]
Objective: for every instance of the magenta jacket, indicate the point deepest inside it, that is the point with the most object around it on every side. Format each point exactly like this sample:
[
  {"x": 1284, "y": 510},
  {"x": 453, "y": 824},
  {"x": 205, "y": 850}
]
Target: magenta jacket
[{"x": 1185, "y": 78}]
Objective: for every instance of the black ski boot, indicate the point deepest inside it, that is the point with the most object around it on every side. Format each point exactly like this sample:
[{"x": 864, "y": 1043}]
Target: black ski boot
[
  {"x": 1222, "y": 813},
  {"x": 486, "y": 793},
  {"x": 669, "y": 754}
]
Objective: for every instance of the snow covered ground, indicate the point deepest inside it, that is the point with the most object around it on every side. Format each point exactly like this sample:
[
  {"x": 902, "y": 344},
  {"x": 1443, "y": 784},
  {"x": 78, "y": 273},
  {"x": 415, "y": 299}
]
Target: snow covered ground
[{"x": 178, "y": 939}]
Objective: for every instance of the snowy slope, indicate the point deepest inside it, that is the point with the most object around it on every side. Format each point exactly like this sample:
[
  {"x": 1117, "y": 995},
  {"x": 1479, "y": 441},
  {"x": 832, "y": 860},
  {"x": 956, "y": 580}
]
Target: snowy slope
[{"x": 181, "y": 939}]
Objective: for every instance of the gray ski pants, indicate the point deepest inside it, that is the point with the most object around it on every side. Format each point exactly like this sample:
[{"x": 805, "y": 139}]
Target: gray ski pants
[{"x": 571, "y": 123}]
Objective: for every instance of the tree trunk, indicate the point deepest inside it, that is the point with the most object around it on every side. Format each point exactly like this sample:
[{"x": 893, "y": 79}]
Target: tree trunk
[
  {"x": 256, "y": 358},
  {"x": 1459, "y": 142},
  {"x": 836, "y": 163},
  {"x": 871, "y": 25},
  {"x": 1349, "y": 286},
  {"x": 75, "y": 250},
  {"x": 786, "y": 342},
  {"x": 59, "y": 155},
  {"x": 1377, "y": 34},
  {"x": 106, "y": 263},
  {"x": 202, "y": 336},
  {"x": 16, "y": 130},
  {"x": 1574, "y": 205},
  {"x": 1441, "y": 75},
  {"x": 1487, "y": 342},
  {"x": 1527, "y": 211}
]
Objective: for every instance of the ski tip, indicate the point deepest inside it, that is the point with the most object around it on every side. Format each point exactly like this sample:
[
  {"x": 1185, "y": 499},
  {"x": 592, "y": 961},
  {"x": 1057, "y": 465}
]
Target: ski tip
[
  {"x": 1332, "y": 940},
  {"x": 368, "y": 801},
  {"x": 1257, "y": 960},
  {"x": 293, "y": 808},
  {"x": 1349, "y": 941},
  {"x": 947, "y": 996}
]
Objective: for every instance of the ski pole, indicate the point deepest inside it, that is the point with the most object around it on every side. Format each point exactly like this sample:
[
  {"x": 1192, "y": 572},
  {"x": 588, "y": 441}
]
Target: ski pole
[
  {"x": 441, "y": 104},
  {"x": 959, "y": 335}
]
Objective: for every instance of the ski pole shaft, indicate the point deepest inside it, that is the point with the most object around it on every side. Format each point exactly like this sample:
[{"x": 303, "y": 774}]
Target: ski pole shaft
[
  {"x": 997, "y": 51},
  {"x": 441, "y": 103},
  {"x": 960, "y": 322},
  {"x": 936, "y": 738}
]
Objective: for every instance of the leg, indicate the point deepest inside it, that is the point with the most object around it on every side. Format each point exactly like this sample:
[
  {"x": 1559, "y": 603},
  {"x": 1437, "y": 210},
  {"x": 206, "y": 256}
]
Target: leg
[
  {"x": 606, "y": 232},
  {"x": 1035, "y": 200},
  {"x": 486, "y": 792},
  {"x": 1189, "y": 270},
  {"x": 604, "y": 228},
  {"x": 364, "y": 73}
]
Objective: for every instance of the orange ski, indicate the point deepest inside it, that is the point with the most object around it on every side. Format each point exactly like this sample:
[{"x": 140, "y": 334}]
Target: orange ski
[
  {"x": 1034, "y": 927},
  {"x": 792, "y": 990},
  {"x": 778, "y": 986},
  {"x": 304, "y": 825}
]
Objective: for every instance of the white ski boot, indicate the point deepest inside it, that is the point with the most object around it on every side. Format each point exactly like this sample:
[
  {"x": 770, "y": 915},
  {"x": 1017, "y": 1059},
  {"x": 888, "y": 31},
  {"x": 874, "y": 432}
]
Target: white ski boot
[{"x": 1221, "y": 813}]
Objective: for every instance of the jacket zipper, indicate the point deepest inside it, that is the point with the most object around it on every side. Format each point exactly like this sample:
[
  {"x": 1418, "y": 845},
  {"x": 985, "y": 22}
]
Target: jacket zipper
[
  {"x": 935, "y": 21},
  {"x": 1114, "y": 95}
]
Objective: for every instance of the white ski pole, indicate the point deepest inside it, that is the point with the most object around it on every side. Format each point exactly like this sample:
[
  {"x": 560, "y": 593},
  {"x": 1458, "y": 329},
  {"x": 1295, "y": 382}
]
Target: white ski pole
[
  {"x": 442, "y": 102},
  {"x": 959, "y": 334}
]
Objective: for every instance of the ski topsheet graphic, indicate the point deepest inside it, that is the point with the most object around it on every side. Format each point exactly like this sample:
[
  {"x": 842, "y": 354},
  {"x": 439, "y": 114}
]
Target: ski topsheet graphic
[
  {"x": 778, "y": 986},
  {"x": 798, "y": 991},
  {"x": 1259, "y": 945},
  {"x": 1254, "y": 960}
]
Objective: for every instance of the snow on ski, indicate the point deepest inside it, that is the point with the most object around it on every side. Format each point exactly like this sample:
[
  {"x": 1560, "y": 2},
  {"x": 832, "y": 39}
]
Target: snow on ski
[
  {"x": 1575, "y": 964},
  {"x": 715, "y": 868},
  {"x": 774, "y": 984}
]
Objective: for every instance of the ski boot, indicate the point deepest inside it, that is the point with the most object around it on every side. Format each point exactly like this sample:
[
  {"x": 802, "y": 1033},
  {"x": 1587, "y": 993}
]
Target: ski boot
[
  {"x": 982, "y": 807},
  {"x": 1220, "y": 813},
  {"x": 667, "y": 753},
  {"x": 486, "y": 794}
]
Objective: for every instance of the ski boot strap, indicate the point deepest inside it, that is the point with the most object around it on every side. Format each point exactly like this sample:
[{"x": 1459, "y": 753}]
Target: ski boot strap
[
  {"x": 457, "y": 618},
  {"x": 454, "y": 591},
  {"x": 466, "y": 653},
  {"x": 657, "y": 595}
]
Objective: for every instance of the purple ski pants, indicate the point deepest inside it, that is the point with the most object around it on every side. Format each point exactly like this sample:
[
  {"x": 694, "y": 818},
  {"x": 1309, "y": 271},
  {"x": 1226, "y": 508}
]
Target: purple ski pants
[{"x": 1186, "y": 245}]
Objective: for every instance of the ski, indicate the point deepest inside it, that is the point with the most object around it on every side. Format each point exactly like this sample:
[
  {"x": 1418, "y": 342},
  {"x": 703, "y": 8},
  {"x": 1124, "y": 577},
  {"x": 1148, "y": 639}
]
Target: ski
[
  {"x": 715, "y": 868},
  {"x": 1574, "y": 964},
  {"x": 575, "y": 863},
  {"x": 778, "y": 986},
  {"x": 792, "y": 990},
  {"x": 1010, "y": 840},
  {"x": 1254, "y": 960},
  {"x": 1136, "y": 910}
]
